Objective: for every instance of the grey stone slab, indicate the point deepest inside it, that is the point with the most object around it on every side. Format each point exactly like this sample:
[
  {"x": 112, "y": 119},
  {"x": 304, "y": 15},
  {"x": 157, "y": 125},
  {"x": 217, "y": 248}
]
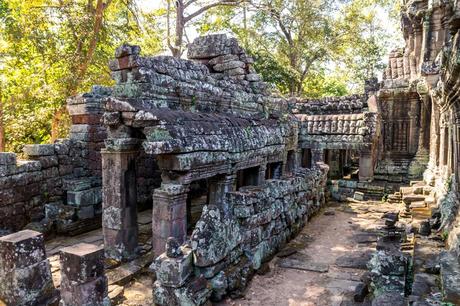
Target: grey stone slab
[
  {"x": 297, "y": 264},
  {"x": 358, "y": 260},
  {"x": 39, "y": 149}
]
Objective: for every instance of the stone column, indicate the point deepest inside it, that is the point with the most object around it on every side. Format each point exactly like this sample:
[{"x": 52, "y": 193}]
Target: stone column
[
  {"x": 366, "y": 166},
  {"x": 262, "y": 170},
  {"x": 412, "y": 144},
  {"x": 83, "y": 282},
  {"x": 450, "y": 139},
  {"x": 317, "y": 155},
  {"x": 434, "y": 137},
  {"x": 224, "y": 185},
  {"x": 169, "y": 215},
  {"x": 442, "y": 146},
  {"x": 119, "y": 204},
  {"x": 423, "y": 145},
  {"x": 25, "y": 273}
]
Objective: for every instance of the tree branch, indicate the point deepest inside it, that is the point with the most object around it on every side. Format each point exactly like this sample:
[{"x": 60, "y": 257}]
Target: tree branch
[
  {"x": 210, "y": 6},
  {"x": 189, "y": 3}
]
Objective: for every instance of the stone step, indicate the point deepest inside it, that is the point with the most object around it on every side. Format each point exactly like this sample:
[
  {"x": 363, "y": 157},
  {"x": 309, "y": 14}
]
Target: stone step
[
  {"x": 408, "y": 199},
  {"x": 419, "y": 204},
  {"x": 430, "y": 201},
  {"x": 406, "y": 190}
]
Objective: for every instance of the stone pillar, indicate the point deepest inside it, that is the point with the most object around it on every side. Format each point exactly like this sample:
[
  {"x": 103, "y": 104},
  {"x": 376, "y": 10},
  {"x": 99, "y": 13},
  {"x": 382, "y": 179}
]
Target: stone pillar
[
  {"x": 119, "y": 204},
  {"x": 226, "y": 184},
  {"x": 366, "y": 166},
  {"x": 450, "y": 139},
  {"x": 412, "y": 144},
  {"x": 262, "y": 173},
  {"x": 434, "y": 137},
  {"x": 83, "y": 282},
  {"x": 423, "y": 143},
  {"x": 442, "y": 146},
  {"x": 169, "y": 215},
  {"x": 25, "y": 273},
  {"x": 317, "y": 155}
]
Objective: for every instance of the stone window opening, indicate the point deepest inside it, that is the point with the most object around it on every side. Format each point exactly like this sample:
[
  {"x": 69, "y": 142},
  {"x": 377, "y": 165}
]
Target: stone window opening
[
  {"x": 326, "y": 156},
  {"x": 306, "y": 158},
  {"x": 339, "y": 163},
  {"x": 247, "y": 177},
  {"x": 274, "y": 170},
  {"x": 198, "y": 196}
]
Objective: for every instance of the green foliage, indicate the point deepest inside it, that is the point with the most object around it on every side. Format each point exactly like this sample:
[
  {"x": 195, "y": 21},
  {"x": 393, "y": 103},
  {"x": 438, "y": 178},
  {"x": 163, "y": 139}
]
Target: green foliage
[
  {"x": 47, "y": 55},
  {"x": 312, "y": 48},
  {"x": 385, "y": 197},
  {"x": 444, "y": 235}
]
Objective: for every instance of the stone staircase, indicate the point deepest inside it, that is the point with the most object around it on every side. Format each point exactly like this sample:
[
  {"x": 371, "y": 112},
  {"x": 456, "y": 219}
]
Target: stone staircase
[
  {"x": 393, "y": 170},
  {"x": 376, "y": 191}
]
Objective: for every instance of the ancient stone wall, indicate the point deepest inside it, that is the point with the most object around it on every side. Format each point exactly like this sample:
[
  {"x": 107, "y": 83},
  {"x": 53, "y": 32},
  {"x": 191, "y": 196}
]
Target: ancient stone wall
[
  {"x": 226, "y": 249},
  {"x": 431, "y": 31},
  {"x": 58, "y": 184},
  {"x": 333, "y": 129}
]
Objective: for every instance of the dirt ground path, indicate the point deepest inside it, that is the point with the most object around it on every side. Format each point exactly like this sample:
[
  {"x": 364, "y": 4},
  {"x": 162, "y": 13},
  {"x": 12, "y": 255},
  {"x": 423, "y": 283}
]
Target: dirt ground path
[{"x": 331, "y": 257}]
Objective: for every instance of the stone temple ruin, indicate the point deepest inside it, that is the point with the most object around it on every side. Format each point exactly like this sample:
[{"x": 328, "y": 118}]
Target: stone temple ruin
[{"x": 232, "y": 172}]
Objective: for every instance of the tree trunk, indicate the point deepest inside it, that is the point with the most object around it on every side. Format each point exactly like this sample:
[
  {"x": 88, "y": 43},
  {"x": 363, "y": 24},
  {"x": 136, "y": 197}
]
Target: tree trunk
[
  {"x": 180, "y": 24},
  {"x": 82, "y": 68},
  {"x": 2, "y": 129}
]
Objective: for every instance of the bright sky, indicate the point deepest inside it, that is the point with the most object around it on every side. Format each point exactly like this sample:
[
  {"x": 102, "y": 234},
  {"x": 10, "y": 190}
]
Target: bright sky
[{"x": 147, "y": 5}]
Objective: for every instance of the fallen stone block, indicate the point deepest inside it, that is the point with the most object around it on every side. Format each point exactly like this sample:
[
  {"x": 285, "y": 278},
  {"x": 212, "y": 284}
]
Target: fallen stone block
[
  {"x": 38, "y": 150},
  {"x": 7, "y": 159},
  {"x": 450, "y": 278},
  {"x": 82, "y": 276},
  {"x": 361, "y": 291},
  {"x": 174, "y": 271},
  {"x": 25, "y": 271},
  {"x": 358, "y": 196},
  {"x": 84, "y": 197}
]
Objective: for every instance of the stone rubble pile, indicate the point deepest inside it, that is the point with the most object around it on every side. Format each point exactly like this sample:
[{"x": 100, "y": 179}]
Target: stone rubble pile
[
  {"x": 224, "y": 58},
  {"x": 168, "y": 82}
]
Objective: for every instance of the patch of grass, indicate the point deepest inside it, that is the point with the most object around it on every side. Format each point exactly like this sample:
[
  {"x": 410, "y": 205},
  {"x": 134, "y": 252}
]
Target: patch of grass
[
  {"x": 444, "y": 235},
  {"x": 385, "y": 197}
]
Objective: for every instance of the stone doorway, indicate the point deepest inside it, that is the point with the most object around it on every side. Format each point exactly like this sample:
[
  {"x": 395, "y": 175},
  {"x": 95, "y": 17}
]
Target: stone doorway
[{"x": 306, "y": 161}]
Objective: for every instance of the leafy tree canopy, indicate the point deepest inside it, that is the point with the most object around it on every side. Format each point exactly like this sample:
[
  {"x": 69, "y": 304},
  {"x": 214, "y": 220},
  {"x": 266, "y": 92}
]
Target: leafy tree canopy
[{"x": 52, "y": 49}]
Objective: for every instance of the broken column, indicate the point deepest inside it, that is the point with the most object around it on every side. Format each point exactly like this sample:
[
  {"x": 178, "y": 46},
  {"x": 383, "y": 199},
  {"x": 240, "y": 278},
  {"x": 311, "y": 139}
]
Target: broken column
[
  {"x": 169, "y": 216},
  {"x": 83, "y": 282},
  {"x": 25, "y": 271},
  {"x": 225, "y": 185},
  {"x": 176, "y": 284},
  {"x": 119, "y": 220}
]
